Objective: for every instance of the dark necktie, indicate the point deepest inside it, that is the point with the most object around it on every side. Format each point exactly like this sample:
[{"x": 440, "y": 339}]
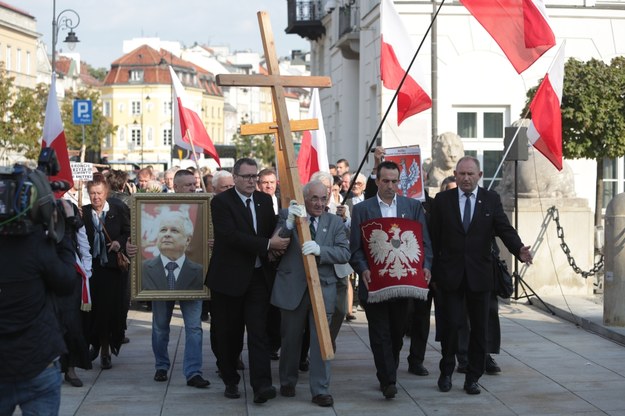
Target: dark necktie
[
  {"x": 313, "y": 232},
  {"x": 248, "y": 205},
  {"x": 466, "y": 218},
  {"x": 171, "y": 279}
]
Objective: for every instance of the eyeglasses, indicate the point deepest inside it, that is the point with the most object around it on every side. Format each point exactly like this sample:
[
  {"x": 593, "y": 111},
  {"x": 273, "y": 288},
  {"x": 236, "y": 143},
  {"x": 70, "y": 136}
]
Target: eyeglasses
[{"x": 248, "y": 177}]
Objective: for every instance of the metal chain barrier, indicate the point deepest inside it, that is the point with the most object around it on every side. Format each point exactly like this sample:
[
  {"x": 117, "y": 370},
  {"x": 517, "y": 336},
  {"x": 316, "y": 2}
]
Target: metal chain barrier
[{"x": 553, "y": 211}]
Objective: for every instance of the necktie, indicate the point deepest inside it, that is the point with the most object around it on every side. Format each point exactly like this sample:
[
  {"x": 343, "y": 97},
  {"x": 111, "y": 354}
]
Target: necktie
[
  {"x": 248, "y": 204},
  {"x": 466, "y": 218},
  {"x": 313, "y": 232},
  {"x": 171, "y": 279}
]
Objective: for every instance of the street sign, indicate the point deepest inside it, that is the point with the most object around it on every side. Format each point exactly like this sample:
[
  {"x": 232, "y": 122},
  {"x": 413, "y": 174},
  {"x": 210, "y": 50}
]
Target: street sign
[{"x": 83, "y": 113}]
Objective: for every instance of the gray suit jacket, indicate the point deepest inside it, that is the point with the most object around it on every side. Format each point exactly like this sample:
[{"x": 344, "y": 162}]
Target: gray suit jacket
[
  {"x": 407, "y": 208},
  {"x": 290, "y": 284},
  {"x": 191, "y": 276}
]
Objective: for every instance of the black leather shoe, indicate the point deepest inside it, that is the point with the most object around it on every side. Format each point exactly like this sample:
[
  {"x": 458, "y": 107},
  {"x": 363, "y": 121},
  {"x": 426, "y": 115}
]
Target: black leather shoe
[
  {"x": 232, "y": 391},
  {"x": 264, "y": 394},
  {"x": 287, "y": 391},
  {"x": 125, "y": 340},
  {"x": 389, "y": 391},
  {"x": 304, "y": 365},
  {"x": 105, "y": 362},
  {"x": 471, "y": 387},
  {"x": 160, "y": 375},
  {"x": 444, "y": 383},
  {"x": 74, "y": 381},
  {"x": 462, "y": 368},
  {"x": 198, "y": 382},
  {"x": 323, "y": 400},
  {"x": 274, "y": 356},
  {"x": 418, "y": 369},
  {"x": 491, "y": 365}
]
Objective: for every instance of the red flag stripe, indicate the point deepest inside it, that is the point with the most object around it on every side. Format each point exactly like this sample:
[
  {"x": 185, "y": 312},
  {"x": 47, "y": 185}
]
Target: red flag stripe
[{"x": 519, "y": 27}]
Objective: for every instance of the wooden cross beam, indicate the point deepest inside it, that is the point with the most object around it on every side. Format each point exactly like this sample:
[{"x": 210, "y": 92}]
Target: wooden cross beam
[
  {"x": 272, "y": 128},
  {"x": 290, "y": 182}
]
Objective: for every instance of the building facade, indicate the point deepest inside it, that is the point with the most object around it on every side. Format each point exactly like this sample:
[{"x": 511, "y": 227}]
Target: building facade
[{"x": 476, "y": 91}]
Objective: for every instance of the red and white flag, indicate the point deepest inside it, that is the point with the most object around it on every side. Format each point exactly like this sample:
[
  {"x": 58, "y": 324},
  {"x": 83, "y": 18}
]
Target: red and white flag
[
  {"x": 313, "y": 152},
  {"x": 520, "y": 28},
  {"x": 545, "y": 129},
  {"x": 395, "y": 57},
  {"x": 189, "y": 131},
  {"x": 54, "y": 137}
]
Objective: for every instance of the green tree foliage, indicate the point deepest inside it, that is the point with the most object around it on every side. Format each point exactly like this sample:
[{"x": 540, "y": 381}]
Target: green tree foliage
[
  {"x": 21, "y": 112},
  {"x": 593, "y": 114},
  {"x": 97, "y": 73},
  {"x": 260, "y": 148},
  {"x": 94, "y": 133}
]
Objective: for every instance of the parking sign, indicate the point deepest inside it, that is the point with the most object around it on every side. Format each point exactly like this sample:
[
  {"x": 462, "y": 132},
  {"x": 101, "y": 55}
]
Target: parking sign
[{"x": 82, "y": 112}]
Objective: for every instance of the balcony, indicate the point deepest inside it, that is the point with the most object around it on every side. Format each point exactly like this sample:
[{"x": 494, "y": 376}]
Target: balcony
[
  {"x": 304, "y": 19},
  {"x": 349, "y": 32}
]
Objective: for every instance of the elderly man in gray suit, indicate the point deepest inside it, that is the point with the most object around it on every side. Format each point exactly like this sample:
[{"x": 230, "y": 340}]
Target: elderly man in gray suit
[{"x": 329, "y": 245}]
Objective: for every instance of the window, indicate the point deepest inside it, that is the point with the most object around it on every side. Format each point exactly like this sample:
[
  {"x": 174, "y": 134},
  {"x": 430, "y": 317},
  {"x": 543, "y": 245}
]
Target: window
[
  {"x": 135, "y": 136},
  {"x": 18, "y": 60},
  {"x": 136, "y": 75},
  {"x": 167, "y": 137},
  {"x": 107, "y": 140},
  {"x": 8, "y": 59},
  {"x": 482, "y": 133},
  {"x": 135, "y": 108},
  {"x": 107, "y": 109},
  {"x": 27, "y": 63},
  {"x": 167, "y": 107},
  {"x": 121, "y": 134}
]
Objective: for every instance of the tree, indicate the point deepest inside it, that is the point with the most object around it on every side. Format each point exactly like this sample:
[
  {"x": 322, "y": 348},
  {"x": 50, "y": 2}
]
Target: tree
[
  {"x": 257, "y": 147},
  {"x": 593, "y": 114},
  {"x": 95, "y": 132},
  {"x": 21, "y": 112},
  {"x": 97, "y": 73}
]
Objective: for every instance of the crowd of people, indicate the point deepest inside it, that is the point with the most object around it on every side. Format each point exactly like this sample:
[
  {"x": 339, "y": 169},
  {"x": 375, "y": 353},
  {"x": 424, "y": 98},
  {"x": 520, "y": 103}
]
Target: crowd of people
[{"x": 257, "y": 282}]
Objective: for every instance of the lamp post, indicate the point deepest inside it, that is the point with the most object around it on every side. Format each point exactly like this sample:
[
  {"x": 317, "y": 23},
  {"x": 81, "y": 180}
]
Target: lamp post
[{"x": 66, "y": 19}]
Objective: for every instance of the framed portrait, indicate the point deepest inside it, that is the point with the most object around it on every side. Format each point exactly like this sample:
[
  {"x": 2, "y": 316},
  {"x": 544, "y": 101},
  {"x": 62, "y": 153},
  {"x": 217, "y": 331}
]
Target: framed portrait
[{"x": 171, "y": 232}]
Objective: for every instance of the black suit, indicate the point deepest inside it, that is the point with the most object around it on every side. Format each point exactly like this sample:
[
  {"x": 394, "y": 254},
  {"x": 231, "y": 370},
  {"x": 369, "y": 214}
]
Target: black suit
[
  {"x": 463, "y": 271},
  {"x": 153, "y": 275},
  {"x": 240, "y": 291}
]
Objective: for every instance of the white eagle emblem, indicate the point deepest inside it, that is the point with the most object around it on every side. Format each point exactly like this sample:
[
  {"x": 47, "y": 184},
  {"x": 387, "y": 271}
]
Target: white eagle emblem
[
  {"x": 395, "y": 253},
  {"x": 408, "y": 176}
]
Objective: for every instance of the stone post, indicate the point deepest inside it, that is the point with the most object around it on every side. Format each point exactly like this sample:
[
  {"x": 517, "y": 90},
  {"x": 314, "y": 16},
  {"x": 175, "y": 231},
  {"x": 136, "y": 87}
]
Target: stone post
[{"x": 614, "y": 278}]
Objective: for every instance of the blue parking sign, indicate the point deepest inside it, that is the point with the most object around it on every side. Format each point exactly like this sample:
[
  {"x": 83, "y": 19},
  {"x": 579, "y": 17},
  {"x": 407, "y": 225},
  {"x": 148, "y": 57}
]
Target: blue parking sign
[{"x": 83, "y": 112}]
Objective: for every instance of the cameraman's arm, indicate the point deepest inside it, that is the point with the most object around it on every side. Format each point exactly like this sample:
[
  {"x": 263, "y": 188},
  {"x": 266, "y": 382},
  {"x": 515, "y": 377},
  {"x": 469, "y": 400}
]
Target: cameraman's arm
[{"x": 83, "y": 250}]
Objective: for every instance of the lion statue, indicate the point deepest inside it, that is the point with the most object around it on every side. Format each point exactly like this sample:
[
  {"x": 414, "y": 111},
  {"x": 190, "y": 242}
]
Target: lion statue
[{"x": 446, "y": 151}]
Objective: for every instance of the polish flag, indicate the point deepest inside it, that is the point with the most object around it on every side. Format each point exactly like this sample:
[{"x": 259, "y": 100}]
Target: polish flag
[
  {"x": 313, "y": 152},
  {"x": 545, "y": 129},
  {"x": 189, "y": 131},
  {"x": 395, "y": 57},
  {"x": 54, "y": 137},
  {"x": 520, "y": 28}
]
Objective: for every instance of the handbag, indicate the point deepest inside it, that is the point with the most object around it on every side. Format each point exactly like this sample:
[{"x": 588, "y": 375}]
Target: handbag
[
  {"x": 503, "y": 280},
  {"x": 123, "y": 262}
]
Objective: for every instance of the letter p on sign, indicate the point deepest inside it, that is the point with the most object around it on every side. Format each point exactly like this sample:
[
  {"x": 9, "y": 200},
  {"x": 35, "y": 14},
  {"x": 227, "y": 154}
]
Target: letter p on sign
[{"x": 83, "y": 112}]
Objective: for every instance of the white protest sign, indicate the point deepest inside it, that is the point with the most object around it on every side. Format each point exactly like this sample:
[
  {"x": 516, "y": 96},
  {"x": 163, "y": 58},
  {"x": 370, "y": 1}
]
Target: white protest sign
[{"x": 82, "y": 171}]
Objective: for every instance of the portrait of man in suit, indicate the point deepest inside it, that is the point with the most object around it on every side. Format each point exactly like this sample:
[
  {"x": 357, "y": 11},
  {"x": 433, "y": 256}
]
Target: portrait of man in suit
[{"x": 171, "y": 269}]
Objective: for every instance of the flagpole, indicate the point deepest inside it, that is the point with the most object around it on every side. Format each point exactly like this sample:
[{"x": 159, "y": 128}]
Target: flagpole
[
  {"x": 197, "y": 164},
  {"x": 516, "y": 133},
  {"x": 388, "y": 109}
]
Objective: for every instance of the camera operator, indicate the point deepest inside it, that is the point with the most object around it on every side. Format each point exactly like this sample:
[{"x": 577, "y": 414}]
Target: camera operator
[{"x": 30, "y": 337}]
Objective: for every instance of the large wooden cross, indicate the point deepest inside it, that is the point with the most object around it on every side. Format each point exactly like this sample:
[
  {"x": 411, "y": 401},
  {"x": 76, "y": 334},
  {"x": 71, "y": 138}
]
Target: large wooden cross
[{"x": 289, "y": 180}]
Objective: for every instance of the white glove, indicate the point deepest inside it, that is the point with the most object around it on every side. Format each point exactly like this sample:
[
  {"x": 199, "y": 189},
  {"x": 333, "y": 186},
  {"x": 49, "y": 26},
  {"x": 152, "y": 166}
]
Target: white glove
[
  {"x": 311, "y": 247},
  {"x": 295, "y": 210}
]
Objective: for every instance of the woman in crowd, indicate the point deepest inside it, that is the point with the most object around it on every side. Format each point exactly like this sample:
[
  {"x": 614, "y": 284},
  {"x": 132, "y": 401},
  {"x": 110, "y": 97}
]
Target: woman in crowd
[{"x": 107, "y": 221}]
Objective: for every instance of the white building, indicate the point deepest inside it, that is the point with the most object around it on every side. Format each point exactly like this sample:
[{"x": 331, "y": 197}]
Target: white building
[{"x": 478, "y": 92}]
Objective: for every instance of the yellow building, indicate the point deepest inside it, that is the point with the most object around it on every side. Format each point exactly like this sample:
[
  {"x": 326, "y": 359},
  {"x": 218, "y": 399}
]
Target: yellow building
[
  {"x": 18, "y": 45},
  {"x": 137, "y": 100}
]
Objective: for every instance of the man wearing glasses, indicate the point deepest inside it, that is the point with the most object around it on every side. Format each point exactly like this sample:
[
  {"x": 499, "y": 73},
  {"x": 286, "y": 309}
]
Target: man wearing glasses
[{"x": 240, "y": 279}]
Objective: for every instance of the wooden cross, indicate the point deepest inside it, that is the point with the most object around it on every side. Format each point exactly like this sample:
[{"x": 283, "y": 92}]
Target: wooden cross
[
  {"x": 289, "y": 183},
  {"x": 272, "y": 128}
]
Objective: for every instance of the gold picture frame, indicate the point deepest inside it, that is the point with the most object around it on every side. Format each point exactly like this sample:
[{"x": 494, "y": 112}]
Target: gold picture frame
[{"x": 149, "y": 212}]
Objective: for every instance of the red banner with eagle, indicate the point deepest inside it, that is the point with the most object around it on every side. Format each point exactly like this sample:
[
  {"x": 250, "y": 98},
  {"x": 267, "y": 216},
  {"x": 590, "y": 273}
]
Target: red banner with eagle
[{"x": 395, "y": 254}]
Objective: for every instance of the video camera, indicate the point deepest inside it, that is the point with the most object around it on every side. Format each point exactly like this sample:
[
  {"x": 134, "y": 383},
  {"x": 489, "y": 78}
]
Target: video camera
[{"x": 27, "y": 198}]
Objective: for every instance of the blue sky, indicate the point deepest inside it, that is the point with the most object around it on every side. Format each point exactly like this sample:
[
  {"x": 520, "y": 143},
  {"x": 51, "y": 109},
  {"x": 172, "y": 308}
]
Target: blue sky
[{"x": 105, "y": 24}]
